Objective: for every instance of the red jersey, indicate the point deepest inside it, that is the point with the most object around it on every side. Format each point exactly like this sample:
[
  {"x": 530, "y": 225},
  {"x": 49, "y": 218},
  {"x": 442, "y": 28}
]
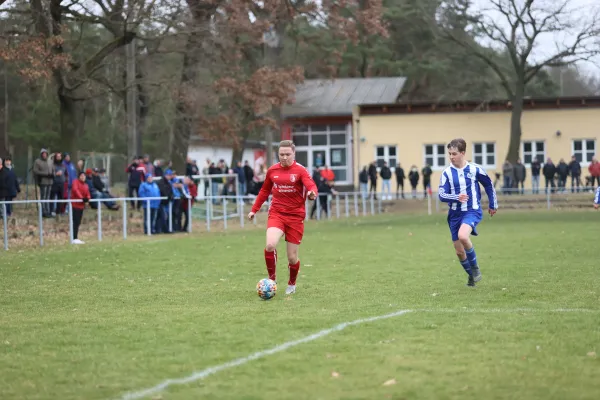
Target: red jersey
[{"x": 289, "y": 186}]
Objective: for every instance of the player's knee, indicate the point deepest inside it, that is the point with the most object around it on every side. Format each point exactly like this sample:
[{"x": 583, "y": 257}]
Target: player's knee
[
  {"x": 292, "y": 259},
  {"x": 270, "y": 247},
  {"x": 463, "y": 237},
  {"x": 461, "y": 254}
]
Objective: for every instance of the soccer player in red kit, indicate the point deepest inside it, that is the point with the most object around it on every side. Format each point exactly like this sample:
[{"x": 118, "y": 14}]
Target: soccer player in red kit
[{"x": 290, "y": 184}]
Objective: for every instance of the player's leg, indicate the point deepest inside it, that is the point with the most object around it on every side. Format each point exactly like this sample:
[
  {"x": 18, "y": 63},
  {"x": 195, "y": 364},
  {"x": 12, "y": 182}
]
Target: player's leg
[
  {"x": 294, "y": 231},
  {"x": 275, "y": 230},
  {"x": 455, "y": 223},
  {"x": 468, "y": 228}
]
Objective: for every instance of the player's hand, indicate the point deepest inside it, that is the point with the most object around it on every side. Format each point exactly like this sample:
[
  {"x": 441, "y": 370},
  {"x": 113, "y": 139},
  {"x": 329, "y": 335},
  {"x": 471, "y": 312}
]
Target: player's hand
[
  {"x": 251, "y": 215},
  {"x": 492, "y": 211},
  {"x": 463, "y": 197},
  {"x": 596, "y": 206},
  {"x": 311, "y": 195}
]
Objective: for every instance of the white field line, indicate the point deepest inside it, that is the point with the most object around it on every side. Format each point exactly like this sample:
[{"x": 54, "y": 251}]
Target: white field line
[
  {"x": 199, "y": 375},
  {"x": 196, "y": 376}
]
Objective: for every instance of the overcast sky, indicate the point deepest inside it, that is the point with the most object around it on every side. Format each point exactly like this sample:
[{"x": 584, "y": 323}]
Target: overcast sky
[{"x": 582, "y": 11}]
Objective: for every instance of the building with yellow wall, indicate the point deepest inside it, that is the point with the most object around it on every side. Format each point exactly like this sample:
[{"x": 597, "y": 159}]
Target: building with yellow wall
[{"x": 416, "y": 134}]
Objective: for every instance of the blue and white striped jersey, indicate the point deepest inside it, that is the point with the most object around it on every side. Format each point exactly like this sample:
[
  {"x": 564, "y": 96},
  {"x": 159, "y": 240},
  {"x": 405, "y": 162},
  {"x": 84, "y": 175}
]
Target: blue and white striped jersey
[
  {"x": 455, "y": 181},
  {"x": 597, "y": 197}
]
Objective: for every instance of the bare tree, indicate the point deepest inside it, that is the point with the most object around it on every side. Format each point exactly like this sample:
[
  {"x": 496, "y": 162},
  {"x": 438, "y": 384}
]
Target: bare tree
[{"x": 516, "y": 29}]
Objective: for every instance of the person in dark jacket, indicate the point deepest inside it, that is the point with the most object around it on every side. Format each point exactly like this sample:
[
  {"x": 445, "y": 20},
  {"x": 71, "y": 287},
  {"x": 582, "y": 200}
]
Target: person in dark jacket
[
  {"x": 562, "y": 170},
  {"x": 249, "y": 173},
  {"x": 426, "y": 172},
  {"x": 386, "y": 177},
  {"x": 43, "y": 171},
  {"x": 12, "y": 184},
  {"x": 58, "y": 186},
  {"x": 373, "y": 179},
  {"x": 413, "y": 177},
  {"x": 520, "y": 173},
  {"x": 399, "y": 181},
  {"x": 162, "y": 214},
  {"x": 536, "y": 167},
  {"x": 575, "y": 172},
  {"x": 549, "y": 171},
  {"x": 137, "y": 173},
  {"x": 363, "y": 179},
  {"x": 3, "y": 186}
]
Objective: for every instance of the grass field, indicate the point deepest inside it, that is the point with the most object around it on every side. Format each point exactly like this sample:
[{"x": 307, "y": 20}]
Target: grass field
[{"x": 100, "y": 321}]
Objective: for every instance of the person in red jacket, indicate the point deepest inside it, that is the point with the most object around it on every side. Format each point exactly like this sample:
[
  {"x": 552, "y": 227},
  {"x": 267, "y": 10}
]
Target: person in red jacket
[
  {"x": 79, "y": 191},
  {"x": 290, "y": 184}
]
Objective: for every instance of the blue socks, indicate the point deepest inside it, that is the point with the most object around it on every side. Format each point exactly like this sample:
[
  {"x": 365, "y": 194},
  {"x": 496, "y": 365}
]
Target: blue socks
[
  {"x": 471, "y": 256},
  {"x": 466, "y": 265}
]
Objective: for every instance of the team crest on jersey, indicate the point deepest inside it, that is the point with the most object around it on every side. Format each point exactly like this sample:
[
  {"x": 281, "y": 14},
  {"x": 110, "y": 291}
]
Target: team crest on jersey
[
  {"x": 470, "y": 175},
  {"x": 293, "y": 178}
]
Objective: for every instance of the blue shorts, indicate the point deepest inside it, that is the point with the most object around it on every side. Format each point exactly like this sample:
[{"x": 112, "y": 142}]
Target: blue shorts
[{"x": 457, "y": 218}]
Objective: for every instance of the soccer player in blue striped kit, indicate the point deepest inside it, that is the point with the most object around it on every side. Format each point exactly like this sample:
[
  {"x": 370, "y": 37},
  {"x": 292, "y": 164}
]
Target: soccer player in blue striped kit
[
  {"x": 597, "y": 198},
  {"x": 459, "y": 187}
]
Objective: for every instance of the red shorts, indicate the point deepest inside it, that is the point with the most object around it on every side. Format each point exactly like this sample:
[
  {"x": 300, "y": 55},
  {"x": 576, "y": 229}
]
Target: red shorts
[{"x": 292, "y": 227}]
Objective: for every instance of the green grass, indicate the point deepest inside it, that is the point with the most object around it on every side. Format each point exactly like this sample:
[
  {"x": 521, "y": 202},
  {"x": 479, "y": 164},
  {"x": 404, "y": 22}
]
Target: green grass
[{"x": 101, "y": 320}]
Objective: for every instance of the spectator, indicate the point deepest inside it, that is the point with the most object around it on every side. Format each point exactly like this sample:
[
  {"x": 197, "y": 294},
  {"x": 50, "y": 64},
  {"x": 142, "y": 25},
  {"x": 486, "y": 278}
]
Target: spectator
[
  {"x": 43, "y": 171},
  {"x": 386, "y": 176},
  {"x": 149, "y": 189},
  {"x": 594, "y": 169},
  {"x": 192, "y": 191},
  {"x": 239, "y": 170},
  {"x": 79, "y": 191},
  {"x": 575, "y": 172},
  {"x": 413, "y": 177},
  {"x": 71, "y": 173},
  {"x": 12, "y": 184},
  {"x": 58, "y": 186},
  {"x": 549, "y": 171},
  {"x": 562, "y": 170},
  {"x": 426, "y": 172},
  {"x": 536, "y": 167},
  {"x": 520, "y": 173},
  {"x": 148, "y": 167},
  {"x": 373, "y": 179},
  {"x": 363, "y": 179},
  {"x": 399, "y": 180},
  {"x": 3, "y": 186},
  {"x": 509, "y": 175},
  {"x": 136, "y": 172},
  {"x": 249, "y": 175}
]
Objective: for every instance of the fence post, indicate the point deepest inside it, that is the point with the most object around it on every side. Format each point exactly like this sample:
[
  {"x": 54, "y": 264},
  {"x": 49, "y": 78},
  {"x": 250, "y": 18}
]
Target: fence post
[
  {"x": 306, "y": 206},
  {"x": 189, "y": 216},
  {"x": 429, "y": 205},
  {"x": 148, "y": 219},
  {"x": 70, "y": 223},
  {"x": 207, "y": 202},
  {"x": 41, "y": 224},
  {"x": 379, "y": 203},
  {"x": 356, "y": 212},
  {"x": 337, "y": 206},
  {"x": 548, "y": 197},
  {"x": 170, "y": 216},
  {"x": 242, "y": 212},
  {"x": 318, "y": 204},
  {"x": 225, "y": 213},
  {"x": 364, "y": 207},
  {"x": 99, "y": 221},
  {"x": 347, "y": 205},
  {"x": 125, "y": 219},
  {"x": 5, "y": 219},
  {"x": 372, "y": 206}
]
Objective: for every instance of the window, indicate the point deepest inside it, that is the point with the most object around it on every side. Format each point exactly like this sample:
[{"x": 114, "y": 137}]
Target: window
[
  {"x": 435, "y": 155},
  {"x": 584, "y": 150},
  {"x": 386, "y": 153},
  {"x": 534, "y": 149},
  {"x": 484, "y": 154}
]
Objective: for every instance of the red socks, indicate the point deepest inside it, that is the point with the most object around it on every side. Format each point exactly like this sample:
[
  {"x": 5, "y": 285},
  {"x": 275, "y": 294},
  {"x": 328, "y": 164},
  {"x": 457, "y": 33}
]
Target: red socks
[
  {"x": 294, "y": 272},
  {"x": 271, "y": 261}
]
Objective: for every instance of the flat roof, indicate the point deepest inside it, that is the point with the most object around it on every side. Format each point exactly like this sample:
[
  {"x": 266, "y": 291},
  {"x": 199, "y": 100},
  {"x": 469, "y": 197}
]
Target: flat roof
[{"x": 537, "y": 103}]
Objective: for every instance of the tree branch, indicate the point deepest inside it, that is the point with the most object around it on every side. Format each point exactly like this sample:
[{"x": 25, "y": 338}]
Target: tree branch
[{"x": 97, "y": 58}]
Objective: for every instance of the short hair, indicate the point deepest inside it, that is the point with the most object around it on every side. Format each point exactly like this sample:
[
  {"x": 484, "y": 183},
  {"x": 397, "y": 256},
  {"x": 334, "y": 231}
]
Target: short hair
[
  {"x": 287, "y": 143},
  {"x": 459, "y": 143}
]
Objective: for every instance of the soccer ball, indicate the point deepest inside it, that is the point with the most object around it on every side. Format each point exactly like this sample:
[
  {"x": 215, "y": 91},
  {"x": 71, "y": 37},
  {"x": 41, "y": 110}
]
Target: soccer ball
[{"x": 266, "y": 288}]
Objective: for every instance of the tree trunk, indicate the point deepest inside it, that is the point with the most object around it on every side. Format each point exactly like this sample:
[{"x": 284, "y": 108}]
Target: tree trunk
[
  {"x": 238, "y": 151},
  {"x": 72, "y": 121},
  {"x": 515, "y": 124},
  {"x": 143, "y": 109}
]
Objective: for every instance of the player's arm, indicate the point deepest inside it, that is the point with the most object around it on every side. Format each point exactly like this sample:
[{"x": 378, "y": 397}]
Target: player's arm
[
  {"x": 309, "y": 184},
  {"x": 444, "y": 190},
  {"x": 488, "y": 185},
  {"x": 263, "y": 194}
]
